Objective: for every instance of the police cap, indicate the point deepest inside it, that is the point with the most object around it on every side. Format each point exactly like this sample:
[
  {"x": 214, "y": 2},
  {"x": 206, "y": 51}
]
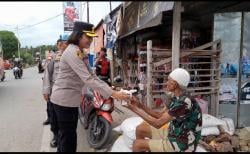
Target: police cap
[{"x": 85, "y": 27}]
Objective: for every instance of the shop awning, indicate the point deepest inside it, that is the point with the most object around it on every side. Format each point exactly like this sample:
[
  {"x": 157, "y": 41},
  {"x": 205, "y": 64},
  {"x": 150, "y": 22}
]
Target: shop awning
[
  {"x": 149, "y": 14},
  {"x": 152, "y": 23}
]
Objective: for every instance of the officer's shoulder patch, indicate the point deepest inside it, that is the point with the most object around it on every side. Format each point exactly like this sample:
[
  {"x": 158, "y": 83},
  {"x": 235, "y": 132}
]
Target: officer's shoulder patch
[{"x": 79, "y": 54}]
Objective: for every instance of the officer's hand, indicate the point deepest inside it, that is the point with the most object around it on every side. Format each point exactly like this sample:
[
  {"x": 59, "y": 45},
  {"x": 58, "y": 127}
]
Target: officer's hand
[
  {"x": 46, "y": 97},
  {"x": 120, "y": 95}
]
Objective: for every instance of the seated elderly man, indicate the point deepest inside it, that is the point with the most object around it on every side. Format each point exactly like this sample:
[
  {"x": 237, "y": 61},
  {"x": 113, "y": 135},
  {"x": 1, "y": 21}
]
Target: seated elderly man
[{"x": 184, "y": 118}]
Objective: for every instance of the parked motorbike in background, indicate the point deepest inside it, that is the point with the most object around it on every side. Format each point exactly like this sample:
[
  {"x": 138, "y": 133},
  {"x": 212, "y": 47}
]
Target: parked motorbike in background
[
  {"x": 17, "y": 72},
  {"x": 95, "y": 116},
  {"x": 2, "y": 79},
  {"x": 2, "y": 75}
]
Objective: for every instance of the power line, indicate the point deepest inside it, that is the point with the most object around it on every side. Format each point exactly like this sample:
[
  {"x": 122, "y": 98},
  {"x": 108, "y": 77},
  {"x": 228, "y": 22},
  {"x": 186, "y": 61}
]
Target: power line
[
  {"x": 8, "y": 26},
  {"x": 8, "y": 29},
  {"x": 29, "y": 26},
  {"x": 4, "y": 26}
]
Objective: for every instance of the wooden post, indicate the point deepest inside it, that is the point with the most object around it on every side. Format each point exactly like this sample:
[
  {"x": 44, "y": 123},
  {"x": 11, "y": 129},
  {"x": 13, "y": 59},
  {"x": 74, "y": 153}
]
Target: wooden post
[
  {"x": 218, "y": 78},
  {"x": 149, "y": 75},
  {"x": 214, "y": 97},
  {"x": 111, "y": 66},
  {"x": 176, "y": 34}
]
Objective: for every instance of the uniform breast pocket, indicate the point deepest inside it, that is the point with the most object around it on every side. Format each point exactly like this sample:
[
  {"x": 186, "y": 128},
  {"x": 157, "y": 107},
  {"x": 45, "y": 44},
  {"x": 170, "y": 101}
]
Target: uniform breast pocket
[{"x": 56, "y": 65}]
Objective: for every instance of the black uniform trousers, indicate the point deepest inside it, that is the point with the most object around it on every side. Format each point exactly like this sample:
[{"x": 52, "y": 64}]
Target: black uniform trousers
[
  {"x": 52, "y": 118},
  {"x": 66, "y": 118},
  {"x": 48, "y": 110}
]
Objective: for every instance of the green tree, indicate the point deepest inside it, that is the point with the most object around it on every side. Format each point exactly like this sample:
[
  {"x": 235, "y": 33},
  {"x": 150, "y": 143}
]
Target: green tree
[
  {"x": 27, "y": 57},
  {"x": 9, "y": 43}
]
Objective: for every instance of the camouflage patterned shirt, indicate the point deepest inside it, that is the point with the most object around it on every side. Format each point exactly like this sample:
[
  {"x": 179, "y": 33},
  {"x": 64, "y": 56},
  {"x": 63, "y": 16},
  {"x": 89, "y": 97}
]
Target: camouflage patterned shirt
[{"x": 185, "y": 128}]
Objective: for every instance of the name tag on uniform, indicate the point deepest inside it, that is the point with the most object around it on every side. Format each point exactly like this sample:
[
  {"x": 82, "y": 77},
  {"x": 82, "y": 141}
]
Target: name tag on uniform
[{"x": 58, "y": 57}]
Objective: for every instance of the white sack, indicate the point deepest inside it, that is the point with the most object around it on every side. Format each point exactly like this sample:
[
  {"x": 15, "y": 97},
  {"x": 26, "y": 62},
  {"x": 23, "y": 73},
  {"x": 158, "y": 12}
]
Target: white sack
[
  {"x": 200, "y": 149},
  {"x": 128, "y": 128},
  {"x": 210, "y": 121},
  {"x": 228, "y": 125},
  {"x": 210, "y": 131},
  {"x": 120, "y": 146}
]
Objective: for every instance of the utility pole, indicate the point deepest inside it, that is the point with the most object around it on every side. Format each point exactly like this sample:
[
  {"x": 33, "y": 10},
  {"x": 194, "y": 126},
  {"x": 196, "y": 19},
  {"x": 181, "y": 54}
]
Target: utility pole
[
  {"x": 18, "y": 42},
  {"x": 110, "y": 6},
  {"x": 80, "y": 11},
  {"x": 40, "y": 54},
  {"x": 1, "y": 48},
  {"x": 88, "y": 11}
]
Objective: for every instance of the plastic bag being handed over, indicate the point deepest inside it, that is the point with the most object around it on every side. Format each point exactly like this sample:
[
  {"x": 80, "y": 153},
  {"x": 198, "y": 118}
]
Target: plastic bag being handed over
[{"x": 129, "y": 92}]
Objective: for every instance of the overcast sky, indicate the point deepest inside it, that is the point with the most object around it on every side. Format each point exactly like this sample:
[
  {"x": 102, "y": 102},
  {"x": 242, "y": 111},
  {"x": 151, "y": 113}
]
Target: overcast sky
[{"x": 29, "y": 13}]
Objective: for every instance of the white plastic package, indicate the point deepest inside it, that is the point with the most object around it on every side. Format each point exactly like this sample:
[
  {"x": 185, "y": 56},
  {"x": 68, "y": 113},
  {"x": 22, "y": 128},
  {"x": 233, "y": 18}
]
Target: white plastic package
[
  {"x": 128, "y": 127},
  {"x": 120, "y": 146},
  {"x": 228, "y": 125},
  {"x": 210, "y": 121},
  {"x": 214, "y": 130}
]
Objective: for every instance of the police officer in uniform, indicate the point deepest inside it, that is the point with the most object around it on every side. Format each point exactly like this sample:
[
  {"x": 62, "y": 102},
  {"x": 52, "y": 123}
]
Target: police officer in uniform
[
  {"x": 73, "y": 75},
  {"x": 47, "y": 81},
  {"x": 50, "y": 75}
]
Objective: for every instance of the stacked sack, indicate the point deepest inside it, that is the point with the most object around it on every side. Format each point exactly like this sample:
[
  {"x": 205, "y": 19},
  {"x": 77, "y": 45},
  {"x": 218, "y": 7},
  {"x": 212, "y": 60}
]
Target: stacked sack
[
  {"x": 127, "y": 129},
  {"x": 125, "y": 142},
  {"x": 214, "y": 126},
  {"x": 218, "y": 134}
]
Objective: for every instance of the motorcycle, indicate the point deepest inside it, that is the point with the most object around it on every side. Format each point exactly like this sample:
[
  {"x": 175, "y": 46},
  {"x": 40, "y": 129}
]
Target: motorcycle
[
  {"x": 3, "y": 76},
  {"x": 95, "y": 116},
  {"x": 17, "y": 72}
]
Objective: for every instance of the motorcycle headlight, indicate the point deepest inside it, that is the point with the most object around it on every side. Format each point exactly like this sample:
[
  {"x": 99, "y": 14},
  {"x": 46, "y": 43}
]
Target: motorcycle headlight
[{"x": 106, "y": 107}]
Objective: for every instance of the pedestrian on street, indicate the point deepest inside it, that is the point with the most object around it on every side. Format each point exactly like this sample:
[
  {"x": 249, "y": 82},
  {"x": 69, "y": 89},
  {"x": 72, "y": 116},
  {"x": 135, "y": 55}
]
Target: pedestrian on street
[
  {"x": 50, "y": 75},
  {"x": 73, "y": 75}
]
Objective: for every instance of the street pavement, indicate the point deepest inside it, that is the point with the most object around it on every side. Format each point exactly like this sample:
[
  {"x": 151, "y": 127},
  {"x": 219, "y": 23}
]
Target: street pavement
[{"x": 23, "y": 110}]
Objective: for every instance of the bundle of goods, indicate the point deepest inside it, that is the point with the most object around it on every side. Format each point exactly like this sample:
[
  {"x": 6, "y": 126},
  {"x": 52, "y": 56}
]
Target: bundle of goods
[{"x": 218, "y": 134}]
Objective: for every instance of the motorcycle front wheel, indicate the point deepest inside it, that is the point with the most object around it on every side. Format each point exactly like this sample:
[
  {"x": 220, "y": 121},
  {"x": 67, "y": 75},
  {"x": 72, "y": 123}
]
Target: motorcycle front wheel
[
  {"x": 20, "y": 75},
  {"x": 3, "y": 78},
  {"x": 98, "y": 135},
  {"x": 16, "y": 76}
]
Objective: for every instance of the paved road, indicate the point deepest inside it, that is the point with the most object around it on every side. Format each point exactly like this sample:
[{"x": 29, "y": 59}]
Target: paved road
[{"x": 22, "y": 111}]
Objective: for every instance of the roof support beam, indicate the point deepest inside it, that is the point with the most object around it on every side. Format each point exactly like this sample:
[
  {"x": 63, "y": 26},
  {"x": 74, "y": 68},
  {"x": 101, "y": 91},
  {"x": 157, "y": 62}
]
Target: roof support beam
[{"x": 176, "y": 34}]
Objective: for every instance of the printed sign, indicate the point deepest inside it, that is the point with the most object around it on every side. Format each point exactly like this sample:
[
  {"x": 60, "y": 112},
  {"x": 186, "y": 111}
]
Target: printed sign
[{"x": 71, "y": 11}]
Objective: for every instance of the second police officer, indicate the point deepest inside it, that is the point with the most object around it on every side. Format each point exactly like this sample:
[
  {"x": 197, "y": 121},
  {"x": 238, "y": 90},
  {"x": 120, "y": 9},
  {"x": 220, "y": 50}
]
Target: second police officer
[{"x": 50, "y": 75}]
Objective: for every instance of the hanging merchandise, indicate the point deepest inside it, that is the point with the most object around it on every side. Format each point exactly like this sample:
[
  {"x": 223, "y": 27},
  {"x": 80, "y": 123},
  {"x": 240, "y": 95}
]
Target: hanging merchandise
[
  {"x": 203, "y": 104},
  {"x": 111, "y": 34},
  {"x": 189, "y": 39}
]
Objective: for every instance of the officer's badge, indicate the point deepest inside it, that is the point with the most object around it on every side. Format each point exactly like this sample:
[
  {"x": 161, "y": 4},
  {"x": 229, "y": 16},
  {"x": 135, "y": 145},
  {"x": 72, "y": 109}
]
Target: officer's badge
[{"x": 58, "y": 57}]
